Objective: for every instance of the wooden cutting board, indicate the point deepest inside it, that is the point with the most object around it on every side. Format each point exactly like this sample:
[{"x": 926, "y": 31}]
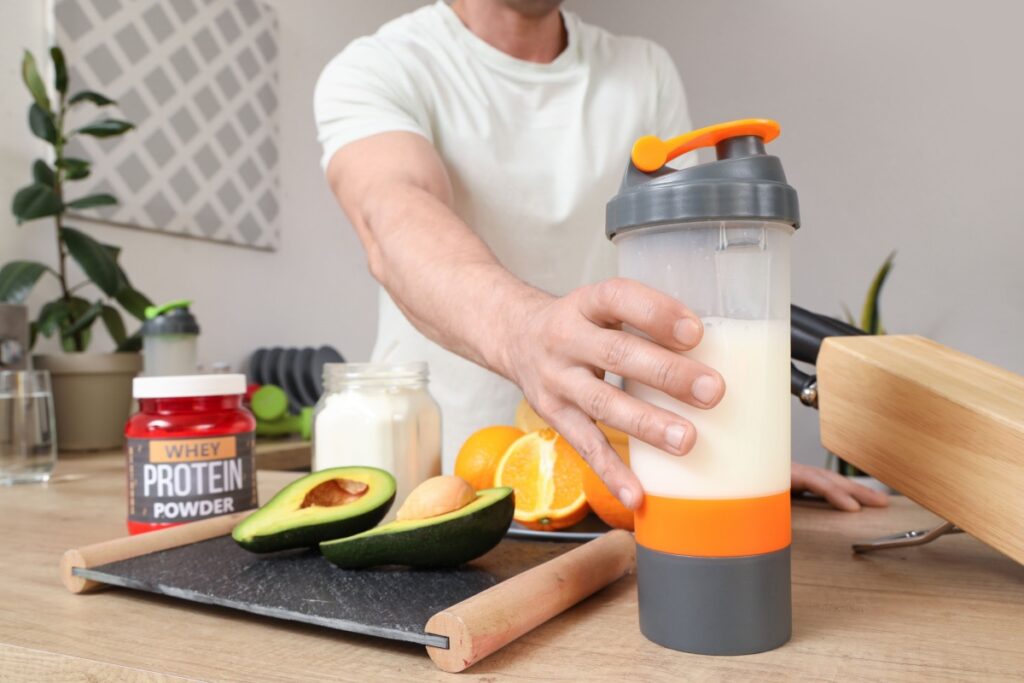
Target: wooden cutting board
[{"x": 939, "y": 426}]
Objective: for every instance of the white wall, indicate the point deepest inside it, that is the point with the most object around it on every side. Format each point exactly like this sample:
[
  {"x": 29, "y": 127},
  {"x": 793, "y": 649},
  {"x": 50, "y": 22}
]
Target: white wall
[
  {"x": 315, "y": 289},
  {"x": 899, "y": 131}
]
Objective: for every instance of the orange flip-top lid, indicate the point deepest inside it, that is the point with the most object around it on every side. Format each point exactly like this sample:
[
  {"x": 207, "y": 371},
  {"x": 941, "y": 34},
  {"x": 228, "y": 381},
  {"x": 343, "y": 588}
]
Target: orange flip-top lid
[{"x": 651, "y": 152}]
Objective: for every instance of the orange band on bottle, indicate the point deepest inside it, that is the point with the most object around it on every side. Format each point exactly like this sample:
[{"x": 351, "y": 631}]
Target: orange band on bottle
[{"x": 714, "y": 528}]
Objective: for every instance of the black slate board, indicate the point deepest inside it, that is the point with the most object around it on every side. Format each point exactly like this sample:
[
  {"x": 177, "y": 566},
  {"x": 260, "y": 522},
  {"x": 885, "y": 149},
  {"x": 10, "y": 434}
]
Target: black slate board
[{"x": 388, "y": 602}]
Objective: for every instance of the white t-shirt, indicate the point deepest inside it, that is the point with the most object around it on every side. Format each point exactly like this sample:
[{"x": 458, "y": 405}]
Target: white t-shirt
[{"x": 534, "y": 152}]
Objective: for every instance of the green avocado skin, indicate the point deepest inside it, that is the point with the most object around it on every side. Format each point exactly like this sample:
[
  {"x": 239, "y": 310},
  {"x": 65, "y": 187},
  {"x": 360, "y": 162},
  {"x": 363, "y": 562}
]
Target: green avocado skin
[
  {"x": 445, "y": 544},
  {"x": 309, "y": 536}
]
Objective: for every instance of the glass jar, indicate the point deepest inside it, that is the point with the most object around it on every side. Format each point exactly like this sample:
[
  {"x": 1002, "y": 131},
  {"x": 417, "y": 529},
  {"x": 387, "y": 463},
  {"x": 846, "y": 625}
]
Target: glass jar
[
  {"x": 379, "y": 415},
  {"x": 190, "y": 450}
]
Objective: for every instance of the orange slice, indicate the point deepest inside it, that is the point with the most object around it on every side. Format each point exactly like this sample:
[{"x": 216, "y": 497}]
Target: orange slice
[{"x": 547, "y": 475}]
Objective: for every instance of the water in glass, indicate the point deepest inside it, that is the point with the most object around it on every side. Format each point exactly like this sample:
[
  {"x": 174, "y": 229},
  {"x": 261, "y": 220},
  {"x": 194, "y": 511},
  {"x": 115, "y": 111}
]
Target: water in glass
[{"x": 28, "y": 439}]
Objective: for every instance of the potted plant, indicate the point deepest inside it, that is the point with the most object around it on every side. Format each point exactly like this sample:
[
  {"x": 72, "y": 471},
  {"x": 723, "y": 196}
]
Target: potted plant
[
  {"x": 870, "y": 322},
  {"x": 92, "y": 391}
]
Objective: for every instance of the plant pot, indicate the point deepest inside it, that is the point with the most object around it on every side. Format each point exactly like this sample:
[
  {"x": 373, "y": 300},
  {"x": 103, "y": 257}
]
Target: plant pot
[{"x": 92, "y": 397}]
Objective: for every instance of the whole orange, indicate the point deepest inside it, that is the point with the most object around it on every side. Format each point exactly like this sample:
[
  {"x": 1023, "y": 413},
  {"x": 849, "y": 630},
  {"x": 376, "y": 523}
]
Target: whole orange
[
  {"x": 602, "y": 501},
  {"x": 479, "y": 456}
]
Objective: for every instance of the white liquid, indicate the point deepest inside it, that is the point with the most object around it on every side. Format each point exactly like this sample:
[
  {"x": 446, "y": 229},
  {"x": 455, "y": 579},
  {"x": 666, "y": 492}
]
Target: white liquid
[
  {"x": 394, "y": 429},
  {"x": 743, "y": 443}
]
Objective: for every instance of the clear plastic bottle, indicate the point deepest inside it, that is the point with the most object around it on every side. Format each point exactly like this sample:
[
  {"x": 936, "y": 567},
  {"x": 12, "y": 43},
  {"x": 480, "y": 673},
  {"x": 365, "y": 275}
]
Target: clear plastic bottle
[
  {"x": 382, "y": 416},
  {"x": 713, "y": 533}
]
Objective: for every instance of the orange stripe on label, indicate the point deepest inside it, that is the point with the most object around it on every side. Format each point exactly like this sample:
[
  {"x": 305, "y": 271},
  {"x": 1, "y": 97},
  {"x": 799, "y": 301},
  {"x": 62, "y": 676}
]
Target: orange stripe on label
[
  {"x": 192, "y": 450},
  {"x": 714, "y": 528}
]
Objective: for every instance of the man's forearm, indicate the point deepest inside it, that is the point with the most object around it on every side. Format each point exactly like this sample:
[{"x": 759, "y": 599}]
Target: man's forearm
[{"x": 440, "y": 273}]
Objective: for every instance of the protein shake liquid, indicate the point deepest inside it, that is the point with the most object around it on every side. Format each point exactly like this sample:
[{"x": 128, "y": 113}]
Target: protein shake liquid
[
  {"x": 713, "y": 533},
  {"x": 189, "y": 450}
]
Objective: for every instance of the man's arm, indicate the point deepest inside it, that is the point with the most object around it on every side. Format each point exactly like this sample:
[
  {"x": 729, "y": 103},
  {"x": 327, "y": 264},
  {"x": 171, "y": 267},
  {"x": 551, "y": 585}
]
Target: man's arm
[{"x": 395, "y": 190}]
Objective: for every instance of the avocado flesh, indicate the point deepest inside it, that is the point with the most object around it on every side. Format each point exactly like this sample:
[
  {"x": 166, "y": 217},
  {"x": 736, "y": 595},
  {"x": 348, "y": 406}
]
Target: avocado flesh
[
  {"x": 284, "y": 523},
  {"x": 446, "y": 540}
]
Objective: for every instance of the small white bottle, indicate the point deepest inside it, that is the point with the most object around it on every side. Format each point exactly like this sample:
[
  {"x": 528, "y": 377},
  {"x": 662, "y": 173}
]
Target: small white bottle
[
  {"x": 379, "y": 415},
  {"x": 170, "y": 338}
]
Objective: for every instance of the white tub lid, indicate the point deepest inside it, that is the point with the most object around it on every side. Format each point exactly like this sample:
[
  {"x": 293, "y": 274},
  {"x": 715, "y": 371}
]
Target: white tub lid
[{"x": 173, "y": 386}]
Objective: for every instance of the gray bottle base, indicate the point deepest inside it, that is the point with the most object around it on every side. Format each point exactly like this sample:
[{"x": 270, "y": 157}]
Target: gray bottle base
[{"x": 715, "y": 606}]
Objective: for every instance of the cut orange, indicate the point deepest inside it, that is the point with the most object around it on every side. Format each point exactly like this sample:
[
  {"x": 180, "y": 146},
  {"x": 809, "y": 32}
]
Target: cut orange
[
  {"x": 547, "y": 475},
  {"x": 601, "y": 500},
  {"x": 479, "y": 457}
]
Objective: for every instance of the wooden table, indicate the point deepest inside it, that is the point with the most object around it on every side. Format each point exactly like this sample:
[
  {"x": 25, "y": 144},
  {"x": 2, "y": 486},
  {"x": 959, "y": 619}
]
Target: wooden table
[{"x": 953, "y": 610}]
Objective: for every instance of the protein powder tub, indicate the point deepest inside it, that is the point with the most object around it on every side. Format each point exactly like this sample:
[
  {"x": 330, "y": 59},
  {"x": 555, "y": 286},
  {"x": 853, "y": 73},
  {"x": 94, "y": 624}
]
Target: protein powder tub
[{"x": 190, "y": 450}]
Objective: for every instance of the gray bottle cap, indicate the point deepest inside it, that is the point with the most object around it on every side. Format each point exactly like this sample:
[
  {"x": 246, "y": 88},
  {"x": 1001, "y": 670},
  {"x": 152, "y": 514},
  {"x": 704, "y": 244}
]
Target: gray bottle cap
[
  {"x": 744, "y": 183},
  {"x": 174, "y": 321}
]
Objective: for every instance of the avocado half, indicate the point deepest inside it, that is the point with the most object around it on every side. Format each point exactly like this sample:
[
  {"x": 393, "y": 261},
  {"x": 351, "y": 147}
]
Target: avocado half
[
  {"x": 443, "y": 541},
  {"x": 321, "y": 506}
]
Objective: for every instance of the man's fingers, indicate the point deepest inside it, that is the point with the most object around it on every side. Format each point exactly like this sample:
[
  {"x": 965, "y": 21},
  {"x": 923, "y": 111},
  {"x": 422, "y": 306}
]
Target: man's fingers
[
  {"x": 656, "y": 314},
  {"x": 583, "y": 435},
  {"x": 661, "y": 428},
  {"x": 817, "y": 481},
  {"x": 628, "y": 355},
  {"x": 863, "y": 494}
]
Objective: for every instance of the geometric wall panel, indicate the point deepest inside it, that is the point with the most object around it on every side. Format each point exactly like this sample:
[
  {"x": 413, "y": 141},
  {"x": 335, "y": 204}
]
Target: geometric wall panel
[{"x": 198, "y": 78}]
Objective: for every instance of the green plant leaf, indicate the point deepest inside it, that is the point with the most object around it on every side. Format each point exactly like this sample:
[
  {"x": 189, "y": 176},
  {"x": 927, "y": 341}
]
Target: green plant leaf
[
  {"x": 51, "y": 316},
  {"x": 92, "y": 200},
  {"x": 86, "y": 319},
  {"x": 30, "y": 75},
  {"x": 74, "y": 169},
  {"x": 114, "y": 324},
  {"x": 105, "y": 128},
  {"x": 41, "y": 123},
  {"x": 33, "y": 334},
  {"x": 115, "y": 252},
  {"x": 60, "y": 70},
  {"x": 78, "y": 308},
  {"x": 35, "y": 201},
  {"x": 17, "y": 279},
  {"x": 132, "y": 344},
  {"x": 91, "y": 96},
  {"x": 95, "y": 259},
  {"x": 871, "y": 316},
  {"x": 133, "y": 301},
  {"x": 43, "y": 174}
]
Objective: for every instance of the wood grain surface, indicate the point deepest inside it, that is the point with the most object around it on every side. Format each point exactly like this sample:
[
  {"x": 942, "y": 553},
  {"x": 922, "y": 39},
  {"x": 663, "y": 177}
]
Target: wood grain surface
[
  {"x": 949, "y": 611},
  {"x": 941, "y": 427}
]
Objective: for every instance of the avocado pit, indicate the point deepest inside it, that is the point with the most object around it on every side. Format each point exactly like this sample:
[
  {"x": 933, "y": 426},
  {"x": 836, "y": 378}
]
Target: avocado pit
[
  {"x": 335, "y": 492},
  {"x": 436, "y": 496}
]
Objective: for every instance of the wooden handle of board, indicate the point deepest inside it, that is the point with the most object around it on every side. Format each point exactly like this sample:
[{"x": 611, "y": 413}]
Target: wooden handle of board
[
  {"x": 142, "y": 544},
  {"x": 488, "y": 621}
]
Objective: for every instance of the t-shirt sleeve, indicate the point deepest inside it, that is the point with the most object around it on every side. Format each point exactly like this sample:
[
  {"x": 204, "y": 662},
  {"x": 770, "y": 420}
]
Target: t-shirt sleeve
[
  {"x": 672, "y": 114},
  {"x": 362, "y": 92}
]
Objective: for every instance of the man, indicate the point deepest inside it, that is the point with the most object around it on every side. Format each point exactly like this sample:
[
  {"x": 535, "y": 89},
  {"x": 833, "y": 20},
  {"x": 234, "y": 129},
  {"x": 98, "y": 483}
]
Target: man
[{"x": 473, "y": 147}]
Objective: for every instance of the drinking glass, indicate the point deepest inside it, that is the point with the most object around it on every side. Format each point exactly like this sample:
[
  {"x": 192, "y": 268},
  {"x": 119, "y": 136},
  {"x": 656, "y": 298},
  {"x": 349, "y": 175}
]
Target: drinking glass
[{"x": 28, "y": 435}]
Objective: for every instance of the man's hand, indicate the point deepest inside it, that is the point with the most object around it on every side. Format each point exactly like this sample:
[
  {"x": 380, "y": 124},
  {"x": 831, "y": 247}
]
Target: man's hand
[
  {"x": 838, "y": 490},
  {"x": 396, "y": 191},
  {"x": 561, "y": 348}
]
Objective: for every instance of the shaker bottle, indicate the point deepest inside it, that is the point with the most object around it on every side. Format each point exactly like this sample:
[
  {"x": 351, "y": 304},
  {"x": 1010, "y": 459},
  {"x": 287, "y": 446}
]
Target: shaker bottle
[
  {"x": 169, "y": 340},
  {"x": 713, "y": 533}
]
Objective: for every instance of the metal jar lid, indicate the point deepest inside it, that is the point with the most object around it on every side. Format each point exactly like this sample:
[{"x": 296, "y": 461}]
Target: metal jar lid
[{"x": 744, "y": 183}]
